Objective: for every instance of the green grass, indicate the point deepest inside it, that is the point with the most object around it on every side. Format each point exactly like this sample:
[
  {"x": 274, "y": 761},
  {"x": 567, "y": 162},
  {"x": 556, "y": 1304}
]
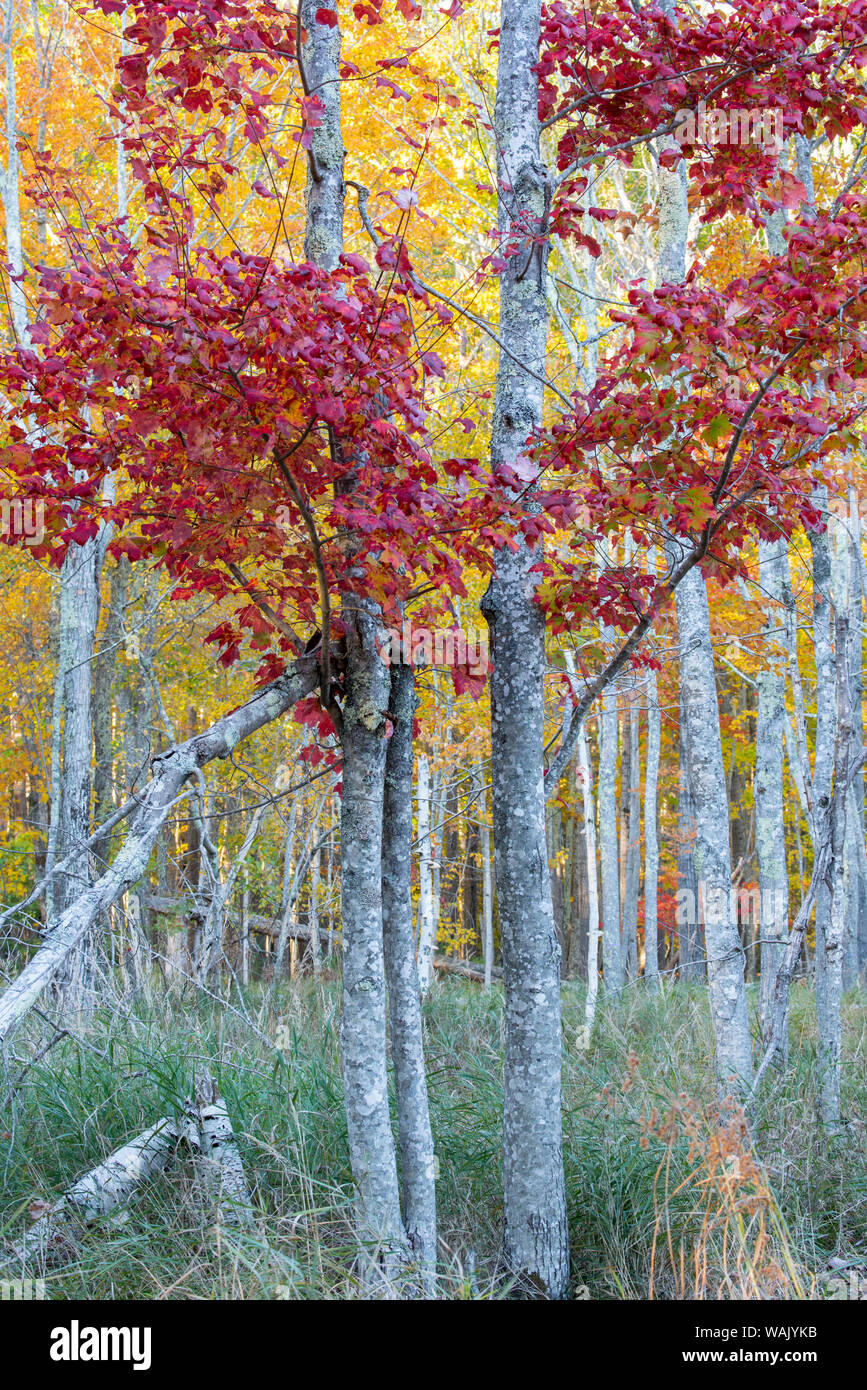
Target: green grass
[{"x": 91, "y": 1093}]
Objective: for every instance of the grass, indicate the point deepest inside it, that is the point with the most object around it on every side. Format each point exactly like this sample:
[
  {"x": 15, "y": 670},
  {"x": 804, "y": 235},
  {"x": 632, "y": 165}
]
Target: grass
[{"x": 666, "y": 1196}]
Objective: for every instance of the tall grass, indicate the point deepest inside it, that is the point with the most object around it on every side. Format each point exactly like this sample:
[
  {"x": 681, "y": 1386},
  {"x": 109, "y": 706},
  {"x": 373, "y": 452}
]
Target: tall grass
[{"x": 668, "y": 1196}]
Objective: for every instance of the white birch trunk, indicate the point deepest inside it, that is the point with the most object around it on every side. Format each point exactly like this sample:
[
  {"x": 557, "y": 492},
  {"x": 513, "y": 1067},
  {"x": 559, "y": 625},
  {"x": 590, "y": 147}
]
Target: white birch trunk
[
  {"x": 51, "y": 1239},
  {"x": 315, "y": 942},
  {"x": 10, "y": 183},
  {"x": 219, "y": 1163},
  {"x": 487, "y": 898}
]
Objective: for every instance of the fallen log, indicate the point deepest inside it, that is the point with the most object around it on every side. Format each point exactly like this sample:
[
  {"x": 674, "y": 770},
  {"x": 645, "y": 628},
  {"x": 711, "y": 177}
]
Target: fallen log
[
  {"x": 269, "y": 926},
  {"x": 170, "y": 771},
  {"x": 52, "y": 1238},
  {"x": 464, "y": 969},
  {"x": 220, "y": 1167}
]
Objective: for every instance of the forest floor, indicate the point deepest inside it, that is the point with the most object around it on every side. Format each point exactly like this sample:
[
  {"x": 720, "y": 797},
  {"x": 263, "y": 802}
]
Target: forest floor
[{"x": 666, "y": 1196}]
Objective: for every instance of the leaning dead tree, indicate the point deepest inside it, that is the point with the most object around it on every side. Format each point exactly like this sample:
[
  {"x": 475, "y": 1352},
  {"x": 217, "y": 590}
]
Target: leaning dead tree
[{"x": 171, "y": 770}]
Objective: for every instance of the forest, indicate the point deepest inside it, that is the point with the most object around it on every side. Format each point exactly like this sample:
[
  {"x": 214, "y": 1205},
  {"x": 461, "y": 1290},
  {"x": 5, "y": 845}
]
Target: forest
[{"x": 433, "y": 861}]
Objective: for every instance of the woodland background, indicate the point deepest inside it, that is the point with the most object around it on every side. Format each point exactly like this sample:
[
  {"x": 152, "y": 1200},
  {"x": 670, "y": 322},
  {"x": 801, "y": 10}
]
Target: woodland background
[{"x": 664, "y": 1198}]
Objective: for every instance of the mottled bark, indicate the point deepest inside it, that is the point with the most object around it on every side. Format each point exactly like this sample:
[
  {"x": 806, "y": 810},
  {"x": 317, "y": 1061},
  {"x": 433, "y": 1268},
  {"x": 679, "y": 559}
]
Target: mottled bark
[
  {"x": 770, "y": 819},
  {"x": 363, "y": 744},
  {"x": 51, "y": 1240},
  {"x": 219, "y": 1164},
  {"x": 323, "y": 228},
  {"x": 487, "y": 898},
  {"x": 426, "y": 922},
  {"x": 592, "y": 889},
  {"x": 371, "y": 1145},
  {"x": 828, "y": 1011},
  {"x": 690, "y": 942},
  {"x": 856, "y": 680},
  {"x": 725, "y": 956},
  {"x": 824, "y": 698},
  {"x": 632, "y": 866},
  {"x": 606, "y": 791},
  {"x": 536, "y": 1233},
  {"x": 651, "y": 834},
  {"x": 404, "y": 1006}
]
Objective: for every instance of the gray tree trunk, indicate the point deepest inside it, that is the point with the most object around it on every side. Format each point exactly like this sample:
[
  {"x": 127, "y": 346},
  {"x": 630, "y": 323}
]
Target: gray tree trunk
[
  {"x": 592, "y": 889},
  {"x": 426, "y": 920},
  {"x": 606, "y": 791},
  {"x": 487, "y": 897},
  {"x": 536, "y": 1232},
  {"x": 79, "y": 618},
  {"x": 828, "y": 1011},
  {"x": 404, "y": 1004},
  {"x": 770, "y": 818},
  {"x": 632, "y": 868},
  {"x": 725, "y": 956},
  {"x": 651, "y": 834},
  {"x": 363, "y": 740},
  {"x": 825, "y": 705},
  {"x": 856, "y": 680}
]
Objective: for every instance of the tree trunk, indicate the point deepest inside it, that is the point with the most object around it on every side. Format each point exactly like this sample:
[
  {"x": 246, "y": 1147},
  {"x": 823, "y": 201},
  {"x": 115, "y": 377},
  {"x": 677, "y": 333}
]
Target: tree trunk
[
  {"x": 363, "y": 742},
  {"x": 770, "y": 819},
  {"x": 592, "y": 889},
  {"x": 707, "y": 784},
  {"x": 404, "y": 1005},
  {"x": 426, "y": 922},
  {"x": 606, "y": 791},
  {"x": 632, "y": 871},
  {"x": 824, "y": 745},
  {"x": 487, "y": 897},
  {"x": 651, "y": 834},
  {"x": 536, "y": 1234},
  {"x": 828, "y": 1014}
]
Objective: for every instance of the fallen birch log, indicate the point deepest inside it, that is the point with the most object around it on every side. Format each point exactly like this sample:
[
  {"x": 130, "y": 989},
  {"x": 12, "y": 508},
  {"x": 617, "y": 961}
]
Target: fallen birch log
[
  {"x": 52, "y": 1238},
  {"x": 171, "y": 770},
  {"x": 219, "y": 1163},
  {"x": 467, "y": 972}
]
